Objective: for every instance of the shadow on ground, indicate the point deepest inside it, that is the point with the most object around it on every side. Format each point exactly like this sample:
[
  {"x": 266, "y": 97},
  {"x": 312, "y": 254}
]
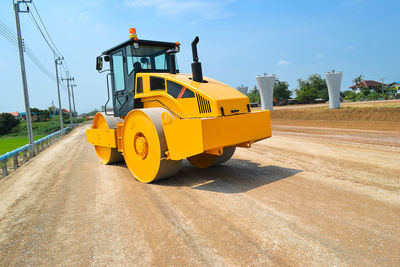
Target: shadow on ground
[{"x": 235, "y": 176}]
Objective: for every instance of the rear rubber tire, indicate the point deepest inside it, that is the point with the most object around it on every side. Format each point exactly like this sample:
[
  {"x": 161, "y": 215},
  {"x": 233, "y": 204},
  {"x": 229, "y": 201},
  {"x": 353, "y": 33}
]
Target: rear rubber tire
[
  {"x": 106, "y": 155},
  {"x": 205, "y": 160}
]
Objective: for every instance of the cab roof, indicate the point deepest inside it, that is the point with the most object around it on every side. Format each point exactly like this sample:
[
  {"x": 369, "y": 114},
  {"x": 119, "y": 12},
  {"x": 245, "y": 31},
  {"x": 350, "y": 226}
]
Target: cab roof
[{"x": 141, "y": 42}]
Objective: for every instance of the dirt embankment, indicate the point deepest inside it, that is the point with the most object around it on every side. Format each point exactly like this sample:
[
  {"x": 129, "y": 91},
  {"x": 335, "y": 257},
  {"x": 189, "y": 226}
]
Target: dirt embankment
[
  {"x": 343, "y": 114},
  {"x": 361, "y": 118}
]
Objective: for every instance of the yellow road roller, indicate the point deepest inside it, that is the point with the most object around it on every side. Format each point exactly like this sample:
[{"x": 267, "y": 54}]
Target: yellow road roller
[{"x": 161, "y": 117}]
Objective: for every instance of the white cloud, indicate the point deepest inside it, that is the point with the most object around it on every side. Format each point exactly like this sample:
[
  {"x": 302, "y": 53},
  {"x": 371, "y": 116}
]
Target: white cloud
[
  {"x": 284, "y": 63},
  {"x": 350, "y": 47},
  {"x": 319, "y": 56},
  {"x": 205, "y": 9}
]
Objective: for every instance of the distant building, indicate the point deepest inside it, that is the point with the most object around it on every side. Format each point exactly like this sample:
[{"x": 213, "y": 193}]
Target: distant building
[
  {"x": 16, "y": 114},
  {"x": 57, "y": 110},
  {"x": 395, "y": 85},
  {"x": 373, "y": 85}
]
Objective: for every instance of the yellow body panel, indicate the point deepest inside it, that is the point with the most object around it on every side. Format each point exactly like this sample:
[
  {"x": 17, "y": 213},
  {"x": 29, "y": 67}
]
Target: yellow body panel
[
  {"x": 217, "y": 94},
  {"x": 102, "y": 137},
  {"x": 236, "y": 129},
  {"x": 184, "y": 136},
  {"x": 188, "y": 137}
]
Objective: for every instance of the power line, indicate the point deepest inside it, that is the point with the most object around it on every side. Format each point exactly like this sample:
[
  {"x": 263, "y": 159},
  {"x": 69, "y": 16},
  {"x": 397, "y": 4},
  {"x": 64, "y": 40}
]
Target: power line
[
  {"x": 11, "y": 40},
  {"x": 7, "y": 28},
  {"x": 28, "y": 52},
  {"x": 8, "y": 33},
  {"x": 40, "y": 30},
  {"x": 65, "y": 65},
  {"x": 39, "y": 64},
  {"x": 54, "y": 47},
  {"x": 44, "y": 26},
  {"x": 10, "y": 36},
  {"x": 60, "y": 81}
]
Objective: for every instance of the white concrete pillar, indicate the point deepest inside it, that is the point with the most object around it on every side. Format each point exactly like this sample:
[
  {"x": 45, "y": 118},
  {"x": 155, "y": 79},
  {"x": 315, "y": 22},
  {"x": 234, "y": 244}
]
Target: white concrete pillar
[
  {"x": 265, "y": 84},
  {"x": 333, "y": 80},
  {"x": 243, "y": 89}
]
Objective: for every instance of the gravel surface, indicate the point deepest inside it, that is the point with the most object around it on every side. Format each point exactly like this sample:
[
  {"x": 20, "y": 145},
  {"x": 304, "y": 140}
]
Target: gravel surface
[{"x": 306, "y": 196}]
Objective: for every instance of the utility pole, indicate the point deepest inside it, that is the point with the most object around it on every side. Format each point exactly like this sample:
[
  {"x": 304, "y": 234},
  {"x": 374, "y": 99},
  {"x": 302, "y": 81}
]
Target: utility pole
[
  {"x": 73, "y": 101},
  {"x": 23, "y": 74},
  {"x": 57, "y": 61},
  {"x": 68, "y": 79},
  {"x": 52, "y": 111}
]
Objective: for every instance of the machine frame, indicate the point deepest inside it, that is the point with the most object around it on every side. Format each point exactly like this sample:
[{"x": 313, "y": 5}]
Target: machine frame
[{"x": 162, "y": 117}]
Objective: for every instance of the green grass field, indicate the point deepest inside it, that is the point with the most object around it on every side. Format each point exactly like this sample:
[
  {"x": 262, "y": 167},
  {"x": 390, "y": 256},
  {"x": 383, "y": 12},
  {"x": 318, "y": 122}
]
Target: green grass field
[
  {"x": 39, "y": 128},
  {"x": 10, "y": 143},
  {"x": 19, "y": 136}
]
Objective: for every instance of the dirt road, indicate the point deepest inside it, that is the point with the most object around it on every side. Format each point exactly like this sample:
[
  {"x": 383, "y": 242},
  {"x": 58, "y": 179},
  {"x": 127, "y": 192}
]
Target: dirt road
[{"x": 300, "y": 198}]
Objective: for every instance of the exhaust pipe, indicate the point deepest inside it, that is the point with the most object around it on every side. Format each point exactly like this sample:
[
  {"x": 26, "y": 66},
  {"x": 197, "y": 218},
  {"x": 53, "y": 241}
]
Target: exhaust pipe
[{"x": 196, "y": 65}]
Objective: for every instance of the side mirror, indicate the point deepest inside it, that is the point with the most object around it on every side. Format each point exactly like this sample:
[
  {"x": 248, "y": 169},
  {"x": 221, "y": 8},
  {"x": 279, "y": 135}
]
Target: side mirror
[{"x": 99, "y": 63}]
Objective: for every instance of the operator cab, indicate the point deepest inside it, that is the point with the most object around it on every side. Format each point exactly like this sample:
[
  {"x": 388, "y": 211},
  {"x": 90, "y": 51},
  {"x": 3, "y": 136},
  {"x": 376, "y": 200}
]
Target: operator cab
[{"x": 132, "y": 57}]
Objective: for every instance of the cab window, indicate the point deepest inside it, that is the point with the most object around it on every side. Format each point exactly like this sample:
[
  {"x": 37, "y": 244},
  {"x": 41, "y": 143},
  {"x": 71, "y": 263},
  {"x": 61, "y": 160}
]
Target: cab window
[
  {"x": 148, "y": 57},
  {"x": 118, "y": 71},
  {"x": 178, "y": 91},
  {"x": 139, "y": 85},
  {"x": 129, "y": 59},
  {"x": 157, "y": 84}
]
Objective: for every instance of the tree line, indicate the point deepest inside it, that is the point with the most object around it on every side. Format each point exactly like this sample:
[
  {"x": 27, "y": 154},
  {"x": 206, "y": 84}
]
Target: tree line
[
  {"x": 314, "y": 87},
  {"x": 8, "y": 122}
]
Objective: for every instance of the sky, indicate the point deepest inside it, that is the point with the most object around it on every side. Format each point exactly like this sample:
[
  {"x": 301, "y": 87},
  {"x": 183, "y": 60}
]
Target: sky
[{"x": 238, "y": 40}]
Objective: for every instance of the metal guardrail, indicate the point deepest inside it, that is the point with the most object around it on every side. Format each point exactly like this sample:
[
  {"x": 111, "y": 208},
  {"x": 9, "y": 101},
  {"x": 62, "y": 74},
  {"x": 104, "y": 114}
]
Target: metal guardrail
[{"x": 27, "y": 152}]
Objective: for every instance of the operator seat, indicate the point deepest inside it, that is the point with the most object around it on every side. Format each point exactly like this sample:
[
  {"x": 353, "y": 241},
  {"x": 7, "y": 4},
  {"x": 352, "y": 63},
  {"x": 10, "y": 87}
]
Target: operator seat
[{"x": 137, "y": 66}]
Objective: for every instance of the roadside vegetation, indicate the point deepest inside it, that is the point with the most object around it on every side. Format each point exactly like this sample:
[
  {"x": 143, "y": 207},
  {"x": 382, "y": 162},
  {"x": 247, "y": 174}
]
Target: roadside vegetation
[
  {"x": 13, "y": 131},
  {"x": 311, "y": 89}
]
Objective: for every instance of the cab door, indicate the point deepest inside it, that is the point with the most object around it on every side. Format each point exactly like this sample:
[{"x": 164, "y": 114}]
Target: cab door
[{"x": 119, "y": 92}]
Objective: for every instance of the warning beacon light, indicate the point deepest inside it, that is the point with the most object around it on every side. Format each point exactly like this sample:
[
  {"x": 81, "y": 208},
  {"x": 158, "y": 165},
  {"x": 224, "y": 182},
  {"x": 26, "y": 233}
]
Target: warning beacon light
[{"x": 132, "y": 34}]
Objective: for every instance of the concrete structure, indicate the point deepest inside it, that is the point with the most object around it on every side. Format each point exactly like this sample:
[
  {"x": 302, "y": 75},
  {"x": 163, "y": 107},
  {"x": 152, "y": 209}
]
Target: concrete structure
[
  {"x": 265, "y": 84},
  {"x": 243, "y": 89},
  {"x": 333, "y": 80}
]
